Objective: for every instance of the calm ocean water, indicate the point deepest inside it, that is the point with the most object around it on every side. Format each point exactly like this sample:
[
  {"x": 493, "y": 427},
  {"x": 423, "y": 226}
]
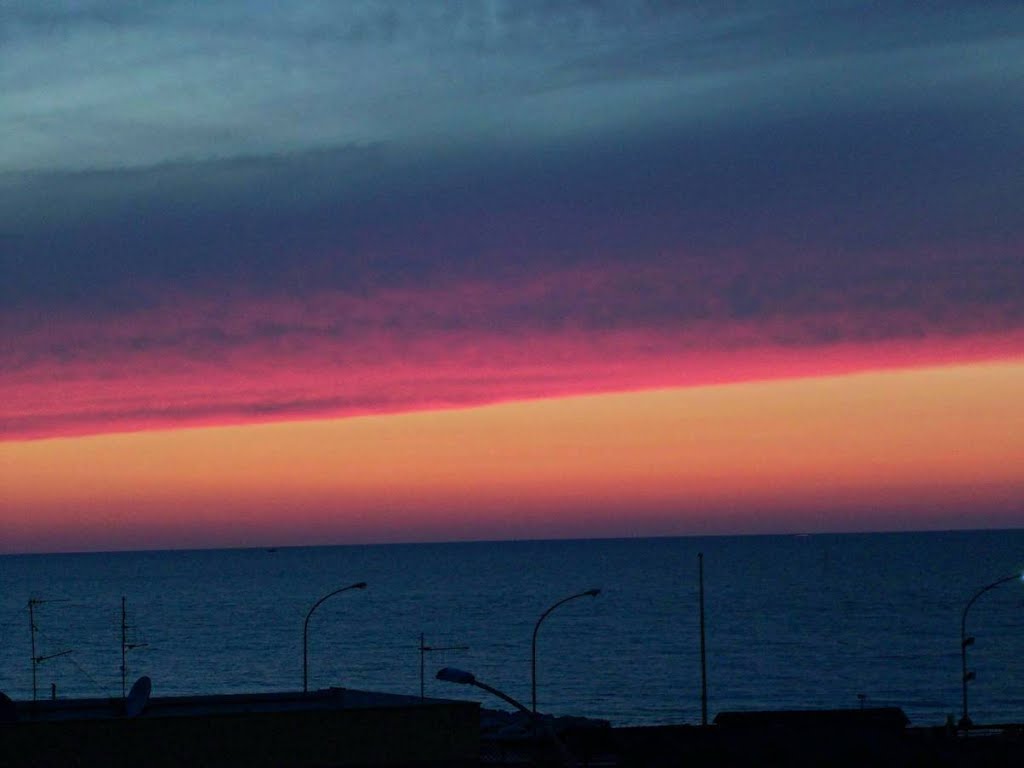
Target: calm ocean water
[{"x": 792, "y": 621}]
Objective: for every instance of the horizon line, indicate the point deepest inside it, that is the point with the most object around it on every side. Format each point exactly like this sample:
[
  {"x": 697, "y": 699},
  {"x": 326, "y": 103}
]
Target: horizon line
[{"x": 550, "y": 539}]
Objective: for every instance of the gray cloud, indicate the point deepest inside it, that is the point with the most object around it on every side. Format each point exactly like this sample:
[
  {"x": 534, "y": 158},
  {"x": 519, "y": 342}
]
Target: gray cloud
[
  {"x": 770, "y": 194},
  {"x": 115, "y": 84}
]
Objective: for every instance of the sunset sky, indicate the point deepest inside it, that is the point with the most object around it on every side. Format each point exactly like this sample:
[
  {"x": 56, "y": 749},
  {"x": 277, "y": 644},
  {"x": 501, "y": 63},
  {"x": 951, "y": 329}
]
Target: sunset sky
[{"x": 351, "y": 272}]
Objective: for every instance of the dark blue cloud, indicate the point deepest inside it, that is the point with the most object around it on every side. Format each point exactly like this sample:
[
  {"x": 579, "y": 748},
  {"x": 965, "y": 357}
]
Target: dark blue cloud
[
  {"x": 828, "y": 186},
  {"x": 775, "y": 156}
]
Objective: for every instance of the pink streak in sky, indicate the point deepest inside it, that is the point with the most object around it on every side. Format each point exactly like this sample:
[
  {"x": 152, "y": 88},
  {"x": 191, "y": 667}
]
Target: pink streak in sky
[{"x": 192, "y": 361}]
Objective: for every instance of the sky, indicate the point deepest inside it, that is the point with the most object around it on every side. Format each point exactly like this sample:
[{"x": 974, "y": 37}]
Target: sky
[{"x": 317, "y": 273}]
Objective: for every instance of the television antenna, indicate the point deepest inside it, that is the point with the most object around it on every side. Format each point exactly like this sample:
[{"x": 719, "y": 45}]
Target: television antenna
[
  {"x": 38, "y": 659},
  {"x": 126, "y": 646},
  {"x": 425, "y": 649}
]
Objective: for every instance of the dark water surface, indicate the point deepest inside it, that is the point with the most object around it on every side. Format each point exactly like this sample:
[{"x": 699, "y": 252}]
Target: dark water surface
[{"x": 792, "y": 622}]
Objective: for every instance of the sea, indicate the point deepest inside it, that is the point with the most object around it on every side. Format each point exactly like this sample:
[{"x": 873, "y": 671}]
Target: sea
[{"x": 790, "y": 622}]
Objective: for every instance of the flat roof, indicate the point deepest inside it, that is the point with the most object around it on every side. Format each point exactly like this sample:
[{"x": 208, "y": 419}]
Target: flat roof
[{"x": 329, "y": 699}]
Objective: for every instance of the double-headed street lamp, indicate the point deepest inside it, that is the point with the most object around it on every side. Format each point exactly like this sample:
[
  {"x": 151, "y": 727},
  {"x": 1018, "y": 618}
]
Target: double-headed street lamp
[
  {"x": 533, "y": 648},
  {"x": 305, "y": 630},
  {"x": 965, "y": 677}
]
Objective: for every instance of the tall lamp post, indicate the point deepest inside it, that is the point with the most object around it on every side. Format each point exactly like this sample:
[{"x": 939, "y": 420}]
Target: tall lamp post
[
  {"x": 305, "y": 630},
  {"x": 965, "y": 676},
  {"x": 703, "y": 650},
  {"x": 533, "y": 648}
]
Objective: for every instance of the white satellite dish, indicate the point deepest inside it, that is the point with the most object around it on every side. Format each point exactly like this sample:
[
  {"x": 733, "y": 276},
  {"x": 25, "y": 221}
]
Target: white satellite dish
[{"x": 138, "y": 697}]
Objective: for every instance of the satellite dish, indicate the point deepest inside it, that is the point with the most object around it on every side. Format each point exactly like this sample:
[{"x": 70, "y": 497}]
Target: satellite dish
[
  {"x": 8, "y": 709},
  {"x": 138, "y": 697}
]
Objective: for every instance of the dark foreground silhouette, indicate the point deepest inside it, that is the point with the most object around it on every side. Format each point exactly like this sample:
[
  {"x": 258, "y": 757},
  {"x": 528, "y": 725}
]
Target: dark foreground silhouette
[{"x": 344, "y": 727}]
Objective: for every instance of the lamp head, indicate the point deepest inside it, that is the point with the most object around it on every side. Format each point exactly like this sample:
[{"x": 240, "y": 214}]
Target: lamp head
[
  {"x": 360, "y": 585},
  {"x": 453, "y": 675},
  {"x": 593, "y": 592}
]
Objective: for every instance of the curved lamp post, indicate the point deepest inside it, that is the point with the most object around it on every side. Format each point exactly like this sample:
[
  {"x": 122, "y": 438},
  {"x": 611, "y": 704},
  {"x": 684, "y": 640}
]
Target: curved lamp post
[
  {"x": 461, "y": 677},
  {"x": 305, "y": 630},
  {"x": 965, "y": 677},
  {"x": 533, "y": 648}
]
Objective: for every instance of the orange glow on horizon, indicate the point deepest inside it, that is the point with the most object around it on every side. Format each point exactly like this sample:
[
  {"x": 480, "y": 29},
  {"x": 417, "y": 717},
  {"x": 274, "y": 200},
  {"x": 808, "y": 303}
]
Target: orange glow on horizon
[{"x": 837, "y": 453}]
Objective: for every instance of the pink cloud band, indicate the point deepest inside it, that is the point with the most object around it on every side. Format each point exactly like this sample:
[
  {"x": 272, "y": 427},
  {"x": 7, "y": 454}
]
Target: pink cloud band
[{"x": 226, "y": 360}]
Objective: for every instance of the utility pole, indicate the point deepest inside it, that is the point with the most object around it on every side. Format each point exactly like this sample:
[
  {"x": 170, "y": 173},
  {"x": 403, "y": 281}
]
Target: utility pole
[{"x": 703, "y": 652}]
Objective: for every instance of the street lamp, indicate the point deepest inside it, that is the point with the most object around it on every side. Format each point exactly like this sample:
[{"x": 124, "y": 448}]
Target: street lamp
[
  {"x": 461, "y": 677},
  {"x": 533, "y": 648},
  {"x": 965, "y": 676},
  {"x": 305, "y": 630}
]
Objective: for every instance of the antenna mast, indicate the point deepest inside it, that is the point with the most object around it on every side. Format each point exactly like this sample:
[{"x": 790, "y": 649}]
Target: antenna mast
[
  {"x": 126, "y": 646},
  {"x": 32, "y": 628}
]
